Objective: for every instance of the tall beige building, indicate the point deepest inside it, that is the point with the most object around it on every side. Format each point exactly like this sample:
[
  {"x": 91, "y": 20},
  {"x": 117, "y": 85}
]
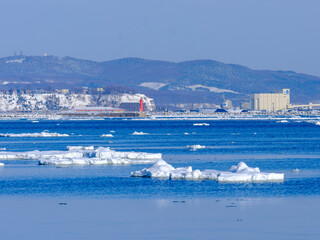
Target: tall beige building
[{"x": 271, "y": 101}]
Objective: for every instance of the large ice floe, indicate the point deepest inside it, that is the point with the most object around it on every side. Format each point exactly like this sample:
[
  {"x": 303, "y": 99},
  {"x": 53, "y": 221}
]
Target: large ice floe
[
  {"x": 42, "y": 134},
  {"x": 79, "y": 155},
  {"x": 239, "y": 173}
]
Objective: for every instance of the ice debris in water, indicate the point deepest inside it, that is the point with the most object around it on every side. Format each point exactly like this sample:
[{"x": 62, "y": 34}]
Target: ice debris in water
[
  {"x": 106, "y": 135},
  {"x": 201, "y": 124},
  {"x": 80, "y": 155},
  {"x": 80, "y": 148},
  {"x": 1, "y": 164},
  {"x": 195, "y": 147},
  {"x": 282, "y": 121},
  {"x": 139, "y": 133},
  {"x": 239, "y": 173},
  {"x": 42, "y": 134},
  {"x": 296, "y": 170}
]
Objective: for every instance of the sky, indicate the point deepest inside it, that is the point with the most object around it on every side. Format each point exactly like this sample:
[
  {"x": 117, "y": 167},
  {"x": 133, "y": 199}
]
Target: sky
[{"x": 260, "y": 34}]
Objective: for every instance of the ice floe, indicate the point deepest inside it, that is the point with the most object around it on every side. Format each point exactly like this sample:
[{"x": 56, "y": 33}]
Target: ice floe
[
  {"x": 239, "y": 173},
  {"x": 42, "y": 134},
  {"x": 201, "y": 124},
  {"x": 81, "y": 155},
  {"x": 1, "y": 164},
  {"x": 195, "y": 147},
  {"x": 107, "y": 135},
  {"x": 139, "y": 133},
  {"x": 296, "y": 170}
]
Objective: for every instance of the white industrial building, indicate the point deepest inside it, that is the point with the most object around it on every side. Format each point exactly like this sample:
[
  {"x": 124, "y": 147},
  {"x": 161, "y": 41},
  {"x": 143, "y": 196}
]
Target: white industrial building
[{"x": 271, "y": 101}]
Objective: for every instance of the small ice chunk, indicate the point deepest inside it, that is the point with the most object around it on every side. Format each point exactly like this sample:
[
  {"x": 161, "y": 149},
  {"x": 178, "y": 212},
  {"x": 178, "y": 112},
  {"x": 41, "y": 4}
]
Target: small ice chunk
[
  {"x": 201, "y": 124},
  {"x": 195, "y": 147},
  {"x": 80, "y": 148},
  {"x": 282, "y": 121},
  {"x": 296, "y": 170},
  {"x": 112, "y": 131},
  {"x": 1, "y": 164},
  {"x": 2, "y": 149},
  {"x": 107, "y": 135},
  {"x": 139, "y": 133},
  {"x": 186, "y": 133}
]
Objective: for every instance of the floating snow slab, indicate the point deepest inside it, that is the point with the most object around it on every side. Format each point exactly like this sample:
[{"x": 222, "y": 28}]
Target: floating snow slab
[
  {"x": 1, "y": 164},
  {"x": 107, "y": 153},
  {"x": 80, "y": 155},
  {"x": 106, "y": 135},
  {"x": 250, "y": 177},
  {"x": 239, "y": 173},
  {"x": 42, "y": 134},
  {"x": 139, "y": 133},
  {"x": 85, "y": 161}
]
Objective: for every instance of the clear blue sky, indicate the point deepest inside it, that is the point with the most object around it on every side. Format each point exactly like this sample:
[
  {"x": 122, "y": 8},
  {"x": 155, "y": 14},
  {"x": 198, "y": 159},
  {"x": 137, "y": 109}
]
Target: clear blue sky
[{"x": 270, "y": 34}]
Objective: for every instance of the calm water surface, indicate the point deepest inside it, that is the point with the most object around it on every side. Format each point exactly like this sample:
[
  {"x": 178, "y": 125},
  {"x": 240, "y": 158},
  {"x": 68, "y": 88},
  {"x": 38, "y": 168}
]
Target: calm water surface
[{"x": 269, "y": 145}]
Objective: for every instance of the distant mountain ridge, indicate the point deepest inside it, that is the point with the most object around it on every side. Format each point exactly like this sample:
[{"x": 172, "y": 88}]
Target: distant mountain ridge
[{"x": 167, "y": 82}]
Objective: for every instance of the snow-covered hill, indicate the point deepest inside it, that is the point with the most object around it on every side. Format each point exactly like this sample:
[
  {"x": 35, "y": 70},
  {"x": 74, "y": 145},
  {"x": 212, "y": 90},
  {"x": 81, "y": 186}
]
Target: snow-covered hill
[{"x": 55, "y": 101}]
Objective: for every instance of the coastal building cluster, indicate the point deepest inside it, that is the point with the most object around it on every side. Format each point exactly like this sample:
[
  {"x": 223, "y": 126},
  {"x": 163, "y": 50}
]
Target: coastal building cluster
[{"x": 102, "y": 101}]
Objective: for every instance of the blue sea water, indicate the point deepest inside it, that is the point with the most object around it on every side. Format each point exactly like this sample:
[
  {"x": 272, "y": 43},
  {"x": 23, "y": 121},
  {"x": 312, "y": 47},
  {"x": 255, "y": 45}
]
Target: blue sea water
[{"x": 267, "y": 144}]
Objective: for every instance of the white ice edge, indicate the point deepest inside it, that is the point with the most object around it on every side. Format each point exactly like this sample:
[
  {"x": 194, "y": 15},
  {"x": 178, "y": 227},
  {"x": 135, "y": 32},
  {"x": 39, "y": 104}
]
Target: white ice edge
[
  {"x": 81, "y": 155},
  {"x": 41, "y": 134},
  {"x": 239, "y": 173}
]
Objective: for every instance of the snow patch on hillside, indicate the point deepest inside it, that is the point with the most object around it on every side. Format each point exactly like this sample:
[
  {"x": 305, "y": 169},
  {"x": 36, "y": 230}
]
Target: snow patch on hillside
[
  {"x": 153, "y": 85},
  {"x": 211, "y": 89},
  {"x": 16, "y": 60}
]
